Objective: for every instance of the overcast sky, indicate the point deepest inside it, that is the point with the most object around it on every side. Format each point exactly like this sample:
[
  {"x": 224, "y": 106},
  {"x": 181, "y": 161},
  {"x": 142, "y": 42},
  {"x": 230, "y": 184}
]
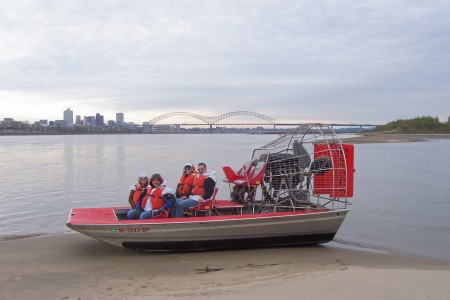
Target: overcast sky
[{"x": 325, "y": 61}]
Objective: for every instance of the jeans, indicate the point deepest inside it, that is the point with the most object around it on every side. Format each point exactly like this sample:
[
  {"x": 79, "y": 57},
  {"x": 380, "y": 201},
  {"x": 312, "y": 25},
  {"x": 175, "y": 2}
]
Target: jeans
[
  {"x": 147, "y": 214},
  {"x": 134, "y": 214},
  {"x": 181, "y": 205}
]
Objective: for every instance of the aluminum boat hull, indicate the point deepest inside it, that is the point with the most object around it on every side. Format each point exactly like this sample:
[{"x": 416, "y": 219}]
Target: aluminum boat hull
[{"x": 210, "y": 232}]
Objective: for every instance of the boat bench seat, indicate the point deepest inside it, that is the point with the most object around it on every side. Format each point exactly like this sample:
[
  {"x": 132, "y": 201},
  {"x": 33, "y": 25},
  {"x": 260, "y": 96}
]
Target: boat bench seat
[{"x": 227, "y": 204}]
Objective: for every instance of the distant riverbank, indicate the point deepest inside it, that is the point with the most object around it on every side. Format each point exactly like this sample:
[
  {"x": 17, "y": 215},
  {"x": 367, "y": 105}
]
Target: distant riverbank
[
  {"x": 370, "y": 137},
  {"x": 362, "y": 138}
]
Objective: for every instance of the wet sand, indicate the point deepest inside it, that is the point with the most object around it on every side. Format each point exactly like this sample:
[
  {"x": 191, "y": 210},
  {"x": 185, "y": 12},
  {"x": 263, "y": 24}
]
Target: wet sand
[{"x": 72, "y": 266}]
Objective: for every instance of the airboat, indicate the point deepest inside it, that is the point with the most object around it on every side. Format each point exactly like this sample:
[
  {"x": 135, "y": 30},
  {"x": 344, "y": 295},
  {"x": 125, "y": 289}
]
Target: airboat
[{"x": 292, "y": 191}]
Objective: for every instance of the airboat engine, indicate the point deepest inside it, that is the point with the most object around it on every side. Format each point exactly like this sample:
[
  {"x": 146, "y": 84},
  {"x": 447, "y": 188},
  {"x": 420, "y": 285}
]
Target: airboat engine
[{"x": 305, "y": 169}]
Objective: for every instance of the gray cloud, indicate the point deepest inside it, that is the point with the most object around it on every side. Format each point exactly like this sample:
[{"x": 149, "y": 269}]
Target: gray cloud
[{"x": 369, "y": 61}]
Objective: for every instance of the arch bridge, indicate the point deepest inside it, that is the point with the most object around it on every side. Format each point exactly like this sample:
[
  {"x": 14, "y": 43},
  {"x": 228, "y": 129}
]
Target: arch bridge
[
  {"x": 207, "y": 120},
  {"x": 215, "y": 119}
]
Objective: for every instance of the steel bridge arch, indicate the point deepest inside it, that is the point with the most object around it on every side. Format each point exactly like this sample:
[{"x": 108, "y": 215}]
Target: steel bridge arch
[
  {"x": 244, "y": 113},
  {"x": 213, "y": 120},
  {"x": 180, "y": 113}
]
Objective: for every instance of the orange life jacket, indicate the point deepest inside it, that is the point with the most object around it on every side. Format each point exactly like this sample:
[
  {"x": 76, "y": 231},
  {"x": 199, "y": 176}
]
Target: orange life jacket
[
  {"x": 186, "y": 183},
  {"x": 137, "y": 195},
  {"x": 156, "y": 197},
  {"x": 199, "y": 185}
]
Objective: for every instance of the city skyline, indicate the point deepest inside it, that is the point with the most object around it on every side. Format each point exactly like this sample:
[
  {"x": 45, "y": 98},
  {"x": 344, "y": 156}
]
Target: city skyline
[
  {"x": 98, "y": 119},
  {"x": 186, "y": 118},
  {"x": 305, "y": 61}
]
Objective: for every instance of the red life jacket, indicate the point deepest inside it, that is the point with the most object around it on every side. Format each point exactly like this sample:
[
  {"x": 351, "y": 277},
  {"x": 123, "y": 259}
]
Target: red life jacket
[
  {"x": 186, "y": 183},
  {"x": 137, "y": 195},
  {"x": 199, "y": 185},
  {"x": 156, "y": 197}
]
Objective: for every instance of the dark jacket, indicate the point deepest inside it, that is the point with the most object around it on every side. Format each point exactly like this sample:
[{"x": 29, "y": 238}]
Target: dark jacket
[{"x": 209, "y": 185}]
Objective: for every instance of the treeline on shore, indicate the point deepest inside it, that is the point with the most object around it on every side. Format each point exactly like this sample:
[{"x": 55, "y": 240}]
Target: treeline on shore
[{"x": 424, "y": 124}]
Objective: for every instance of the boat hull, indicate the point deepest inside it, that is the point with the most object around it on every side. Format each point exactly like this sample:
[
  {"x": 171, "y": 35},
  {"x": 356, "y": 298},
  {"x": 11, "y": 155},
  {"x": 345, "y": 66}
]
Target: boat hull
[{"x": 207, "y": 233}]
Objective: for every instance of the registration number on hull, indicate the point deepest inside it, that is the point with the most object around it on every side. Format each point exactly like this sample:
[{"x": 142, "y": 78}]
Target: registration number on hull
[{"x": 131, "y": 230}]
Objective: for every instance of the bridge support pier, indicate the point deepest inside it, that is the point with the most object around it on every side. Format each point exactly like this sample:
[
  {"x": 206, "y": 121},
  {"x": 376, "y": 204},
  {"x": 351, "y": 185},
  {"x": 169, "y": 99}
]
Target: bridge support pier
[{"x": 210, "y": 128}]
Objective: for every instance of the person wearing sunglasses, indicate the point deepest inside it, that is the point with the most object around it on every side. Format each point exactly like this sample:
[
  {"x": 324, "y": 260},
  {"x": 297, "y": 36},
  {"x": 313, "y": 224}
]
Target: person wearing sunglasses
[
  {"x": 203, "y": 188},
  {"x": 186, "y": 182}
]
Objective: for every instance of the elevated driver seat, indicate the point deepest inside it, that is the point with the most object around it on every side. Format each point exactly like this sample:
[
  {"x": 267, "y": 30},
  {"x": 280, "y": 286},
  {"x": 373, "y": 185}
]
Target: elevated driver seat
[{"x": 248, "y": 174}]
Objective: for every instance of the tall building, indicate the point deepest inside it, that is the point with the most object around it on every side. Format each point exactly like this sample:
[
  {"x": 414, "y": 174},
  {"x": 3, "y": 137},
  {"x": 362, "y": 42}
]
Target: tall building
[
  {"x": 99, "y": 119},
  {"x": 78, "y": 120},
  {"x": 68, "y": 117},
  {"x": 119, "y": 118}
]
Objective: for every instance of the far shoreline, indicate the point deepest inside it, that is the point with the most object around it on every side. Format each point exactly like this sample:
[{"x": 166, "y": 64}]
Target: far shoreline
[
  {"x": 373, "y": 137},
  {"x": 355, "y": 138}
]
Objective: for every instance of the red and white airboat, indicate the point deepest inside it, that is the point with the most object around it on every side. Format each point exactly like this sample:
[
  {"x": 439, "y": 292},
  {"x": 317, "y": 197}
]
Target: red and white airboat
[{"x": 294, "y": 190}]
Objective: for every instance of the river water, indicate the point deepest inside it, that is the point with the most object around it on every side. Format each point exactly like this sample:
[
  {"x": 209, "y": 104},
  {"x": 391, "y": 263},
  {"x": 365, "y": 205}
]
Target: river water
[{"x": 401, "y": 202}]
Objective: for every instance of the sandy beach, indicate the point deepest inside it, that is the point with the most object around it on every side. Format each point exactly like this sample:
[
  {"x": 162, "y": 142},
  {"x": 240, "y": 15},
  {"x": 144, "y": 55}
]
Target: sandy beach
[{"x": 72, "y": 266}]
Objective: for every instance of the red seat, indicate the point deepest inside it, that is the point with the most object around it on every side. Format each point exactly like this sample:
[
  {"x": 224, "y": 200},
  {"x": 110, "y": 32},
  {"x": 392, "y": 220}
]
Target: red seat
[
  {"x": 164, "y": 215},
  {"x": 207, "y": 206},
  {"x": 247, "y": 175}
]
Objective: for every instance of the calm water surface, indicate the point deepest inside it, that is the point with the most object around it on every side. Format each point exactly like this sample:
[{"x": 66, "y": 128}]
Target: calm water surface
[{"x": 401, "y": 203}]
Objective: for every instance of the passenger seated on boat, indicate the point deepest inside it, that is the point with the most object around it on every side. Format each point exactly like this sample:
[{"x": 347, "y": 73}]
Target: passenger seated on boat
[
  {"x": 185, "y": 185},
  {"x": 160, "y": 199},
  {"x": 203, "y": 188},
  {"x": 138, "y": 196}
]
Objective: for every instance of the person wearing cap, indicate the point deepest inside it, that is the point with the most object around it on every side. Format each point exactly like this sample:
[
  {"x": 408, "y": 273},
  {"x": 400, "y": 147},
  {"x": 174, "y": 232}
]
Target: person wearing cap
[
  {"x": 161, "y": 198},
  {"x": 138, "y": 196},
  {"x": 186, "y": 182},
  {"x": 203, "y": 188}
]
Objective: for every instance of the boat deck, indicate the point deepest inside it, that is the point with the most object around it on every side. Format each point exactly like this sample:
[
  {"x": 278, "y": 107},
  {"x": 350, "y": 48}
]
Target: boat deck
[{"x": 117, "y": 215}]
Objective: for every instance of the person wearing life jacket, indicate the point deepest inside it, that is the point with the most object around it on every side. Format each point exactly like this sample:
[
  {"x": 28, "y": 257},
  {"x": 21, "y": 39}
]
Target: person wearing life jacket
[
  {"x": 161, "y": 198},
  {"x": 138, "y": 196},
  {"x": 186, "y": 182},
  {"x": 203, "y": 188}
]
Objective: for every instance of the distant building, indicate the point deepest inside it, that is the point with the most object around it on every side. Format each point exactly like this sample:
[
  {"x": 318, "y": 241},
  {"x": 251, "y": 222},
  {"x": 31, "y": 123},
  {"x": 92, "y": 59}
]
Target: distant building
[
  {"x": 68, "y": 117},
  {"x": 120, "y": 119},
  {"x": 78, "y": 120},
  {"x": 43, "y": 122},
  {"x": 7, "y": 123},
  {"x": 89, "y": 121},
  {"x": 60, "y": 123},
  {"x": 99, "y": 119}
]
